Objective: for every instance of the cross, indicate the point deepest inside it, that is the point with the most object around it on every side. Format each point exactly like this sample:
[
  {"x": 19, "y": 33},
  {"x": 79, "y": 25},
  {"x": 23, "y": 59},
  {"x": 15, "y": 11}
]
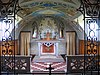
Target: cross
[{"x": 50, "y": 68}]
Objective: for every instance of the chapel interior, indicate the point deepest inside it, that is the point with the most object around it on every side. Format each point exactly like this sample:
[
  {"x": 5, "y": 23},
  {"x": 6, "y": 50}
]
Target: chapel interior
[{"x": 47, "y": 32}]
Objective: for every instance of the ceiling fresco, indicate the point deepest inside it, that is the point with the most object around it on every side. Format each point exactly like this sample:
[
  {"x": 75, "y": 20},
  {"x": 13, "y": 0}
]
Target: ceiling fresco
[
  {"x": 30, "y": 9},
  {"x": 65, "y": 8},
  {"x": 34, "y": 10}
]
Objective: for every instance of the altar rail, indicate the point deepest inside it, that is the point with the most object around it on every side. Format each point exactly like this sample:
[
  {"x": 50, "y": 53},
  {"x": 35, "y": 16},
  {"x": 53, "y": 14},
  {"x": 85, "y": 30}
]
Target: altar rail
[
  {"x": 15, "y": 64},
  {"x": 75, "y": 64}
]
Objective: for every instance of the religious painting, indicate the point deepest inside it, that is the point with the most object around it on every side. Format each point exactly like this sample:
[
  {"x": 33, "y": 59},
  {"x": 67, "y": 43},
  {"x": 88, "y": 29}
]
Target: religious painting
[{"x": 48, "y": 28}]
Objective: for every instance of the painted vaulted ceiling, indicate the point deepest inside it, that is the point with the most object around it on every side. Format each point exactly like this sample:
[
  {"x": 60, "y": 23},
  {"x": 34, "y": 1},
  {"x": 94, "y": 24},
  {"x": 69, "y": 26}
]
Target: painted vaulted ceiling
[{"x": 63, "y": 8}]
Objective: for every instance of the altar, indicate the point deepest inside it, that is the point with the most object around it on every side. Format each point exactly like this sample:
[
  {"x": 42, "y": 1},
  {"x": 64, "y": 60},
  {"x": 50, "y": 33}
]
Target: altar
[
  {"x": 48, "y": 47},
  {"x": 47, "y": 40}
]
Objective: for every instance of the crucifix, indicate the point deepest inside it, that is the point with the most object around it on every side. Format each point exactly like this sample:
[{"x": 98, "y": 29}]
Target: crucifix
[{"x": 49, "y": 68}]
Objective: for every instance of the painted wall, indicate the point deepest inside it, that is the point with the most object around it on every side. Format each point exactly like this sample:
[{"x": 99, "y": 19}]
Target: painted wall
[
  {"x": 68, "y": 26},
  {"x": 61, "y": 45}
]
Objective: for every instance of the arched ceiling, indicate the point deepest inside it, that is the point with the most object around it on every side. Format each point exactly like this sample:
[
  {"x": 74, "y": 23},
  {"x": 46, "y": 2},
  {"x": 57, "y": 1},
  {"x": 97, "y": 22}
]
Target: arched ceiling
[{"x": 63, "y": 8}]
